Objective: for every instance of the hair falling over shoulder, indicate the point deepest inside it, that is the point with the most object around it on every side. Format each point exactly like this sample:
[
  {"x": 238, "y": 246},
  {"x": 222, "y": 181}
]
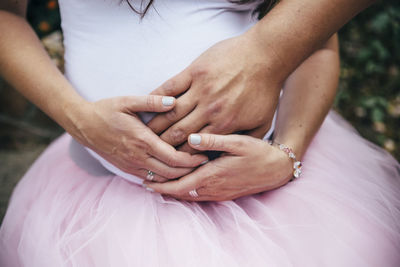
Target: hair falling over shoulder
[{"x": 260, "y": 11}]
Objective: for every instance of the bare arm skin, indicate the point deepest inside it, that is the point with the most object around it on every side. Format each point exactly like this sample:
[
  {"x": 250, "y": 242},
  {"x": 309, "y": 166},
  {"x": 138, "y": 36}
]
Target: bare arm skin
[
  {"x": 250, "y": 165},
  {"x": 110, "y": 127},
  {"x": 17, "y": 7},
  {"x": 307, "y": 97},
  {"x": 248, "y": 71},
  {"x": 25, "y": 64},
  {"x": 294, "y": 29}
]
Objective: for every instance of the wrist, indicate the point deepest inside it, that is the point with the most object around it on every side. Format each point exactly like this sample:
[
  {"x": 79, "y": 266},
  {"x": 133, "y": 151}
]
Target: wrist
[
  {"x": 75, "y": 112},
  {"x": 263, "y": 54},
  {"x": 267, "y": 50},
  {"x": 295, "y": 142},
  {"x": 290, "y": 153}
]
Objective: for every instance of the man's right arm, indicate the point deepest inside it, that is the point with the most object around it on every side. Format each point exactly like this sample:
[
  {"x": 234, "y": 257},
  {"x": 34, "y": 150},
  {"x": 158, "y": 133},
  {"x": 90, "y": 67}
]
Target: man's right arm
[{"x": 294, "y": 29}]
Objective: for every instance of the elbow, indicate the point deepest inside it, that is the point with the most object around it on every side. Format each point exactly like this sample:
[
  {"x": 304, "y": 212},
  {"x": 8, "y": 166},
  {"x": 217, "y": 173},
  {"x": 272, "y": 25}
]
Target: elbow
[
  {"x": 17, "y": 8},
  {"x": 7, "y": 17}
]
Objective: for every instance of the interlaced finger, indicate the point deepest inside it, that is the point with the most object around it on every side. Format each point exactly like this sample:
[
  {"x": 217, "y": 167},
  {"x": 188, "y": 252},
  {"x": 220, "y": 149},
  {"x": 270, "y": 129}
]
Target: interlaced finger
[
  {"x": 164, "y": 170},
  {"x": 178, "y": 133},
  {"x": 170, "y": 156},
  {"x": 176, "y": 85},
  {"x": 184, "y": 105},
  {"x": 151, "y": 176}
]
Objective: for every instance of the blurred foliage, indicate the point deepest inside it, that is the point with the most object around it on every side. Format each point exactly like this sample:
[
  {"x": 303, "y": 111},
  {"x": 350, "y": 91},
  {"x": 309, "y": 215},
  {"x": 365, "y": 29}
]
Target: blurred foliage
[
  {"x": 369, "y": 92},
  {"x": 44, "y": 16}
]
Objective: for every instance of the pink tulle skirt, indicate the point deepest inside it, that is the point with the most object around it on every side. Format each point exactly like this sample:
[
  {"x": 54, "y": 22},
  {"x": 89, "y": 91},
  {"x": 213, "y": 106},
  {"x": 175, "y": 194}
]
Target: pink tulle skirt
[{"x": 343, "y": 211}]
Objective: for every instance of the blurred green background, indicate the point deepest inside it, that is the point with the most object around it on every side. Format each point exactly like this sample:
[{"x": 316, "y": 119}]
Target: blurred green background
[{"x": 368, "y": 97}]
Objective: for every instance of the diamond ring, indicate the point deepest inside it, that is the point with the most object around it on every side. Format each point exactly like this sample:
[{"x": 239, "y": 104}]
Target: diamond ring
[
  {"x": 193, "y": 193},
  {"x": 150, "y": 175}
]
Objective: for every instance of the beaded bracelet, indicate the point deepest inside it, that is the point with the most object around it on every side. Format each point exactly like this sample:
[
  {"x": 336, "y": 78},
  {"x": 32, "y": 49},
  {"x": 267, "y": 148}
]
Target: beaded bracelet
[{"x": 297, "y": 163}]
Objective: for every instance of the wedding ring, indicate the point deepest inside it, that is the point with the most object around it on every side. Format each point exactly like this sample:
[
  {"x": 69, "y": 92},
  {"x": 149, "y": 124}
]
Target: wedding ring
[
  {"x": 150, "y": 175},
  {"x": 193, "y": 193}
]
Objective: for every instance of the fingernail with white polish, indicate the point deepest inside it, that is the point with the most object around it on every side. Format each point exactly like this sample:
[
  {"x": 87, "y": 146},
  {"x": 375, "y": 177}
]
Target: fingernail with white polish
[
  {"x": 150, "y": 189},
  {"x": 195, "y": 139},
  {"x": 167, "y": 100}
]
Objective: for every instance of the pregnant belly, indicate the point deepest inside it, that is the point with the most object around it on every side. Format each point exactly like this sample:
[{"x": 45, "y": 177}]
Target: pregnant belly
[
  {"x": 133, "y": 58},
  {"x": 128, "y": 62}
]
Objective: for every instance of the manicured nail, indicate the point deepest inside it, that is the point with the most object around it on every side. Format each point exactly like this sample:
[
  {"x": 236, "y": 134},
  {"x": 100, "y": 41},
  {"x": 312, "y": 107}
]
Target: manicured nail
[
  {"x": 204, "y": 162},
  {"x": 195, "y": 139},
  {"x": 167, "y": 100},
  {"x": 149, "y": 189},
  {"x": 145, "y": 186}
]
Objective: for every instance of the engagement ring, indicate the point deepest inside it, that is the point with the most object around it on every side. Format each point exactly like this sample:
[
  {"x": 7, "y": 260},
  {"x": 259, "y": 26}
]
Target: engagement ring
[{"x": 150, "y": 175}]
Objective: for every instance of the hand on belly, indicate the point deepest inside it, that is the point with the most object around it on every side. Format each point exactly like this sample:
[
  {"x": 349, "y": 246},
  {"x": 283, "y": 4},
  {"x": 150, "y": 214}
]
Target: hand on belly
[
  {"x": 112, "y": 128},
  {"x": 227, "y": 89}
]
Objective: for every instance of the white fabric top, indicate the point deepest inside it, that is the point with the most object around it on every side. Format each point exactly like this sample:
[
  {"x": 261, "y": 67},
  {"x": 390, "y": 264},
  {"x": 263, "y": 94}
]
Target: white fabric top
[{"x": 110, "y": 52}]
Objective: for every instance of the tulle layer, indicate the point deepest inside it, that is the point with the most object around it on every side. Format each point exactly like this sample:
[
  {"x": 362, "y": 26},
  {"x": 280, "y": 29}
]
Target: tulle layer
[{"x": 343, "y": 211}]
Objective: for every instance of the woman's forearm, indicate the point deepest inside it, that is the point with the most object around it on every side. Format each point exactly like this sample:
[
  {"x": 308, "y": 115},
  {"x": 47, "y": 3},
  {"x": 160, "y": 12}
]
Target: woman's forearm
[
  {"x": 307, "y": 97},
  {"x": 26, "y": 66},
  {"x": 294, "y": 29}
]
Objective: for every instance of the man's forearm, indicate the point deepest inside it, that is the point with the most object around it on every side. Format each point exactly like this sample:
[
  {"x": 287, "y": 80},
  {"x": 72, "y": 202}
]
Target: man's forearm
[{"x": 294, "y": 29}]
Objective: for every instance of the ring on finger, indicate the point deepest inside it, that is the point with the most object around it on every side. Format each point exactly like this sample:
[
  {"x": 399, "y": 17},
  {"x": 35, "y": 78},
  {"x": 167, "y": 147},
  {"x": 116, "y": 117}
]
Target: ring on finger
[
  {"x": 193, "y": 193},
  {"x": 150, "y": 175}
]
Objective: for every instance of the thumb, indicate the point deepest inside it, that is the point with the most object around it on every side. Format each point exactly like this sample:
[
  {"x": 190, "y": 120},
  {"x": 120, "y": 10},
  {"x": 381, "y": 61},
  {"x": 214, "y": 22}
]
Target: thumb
[
  {"x": 149, "y": 103},
  {"x": 176, "y": 85},
  {"x": 229, "y": 143}
]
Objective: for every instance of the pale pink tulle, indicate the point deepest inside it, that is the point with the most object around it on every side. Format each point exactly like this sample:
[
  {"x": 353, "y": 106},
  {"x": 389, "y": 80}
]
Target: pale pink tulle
[{"x": 343, "y": 211}]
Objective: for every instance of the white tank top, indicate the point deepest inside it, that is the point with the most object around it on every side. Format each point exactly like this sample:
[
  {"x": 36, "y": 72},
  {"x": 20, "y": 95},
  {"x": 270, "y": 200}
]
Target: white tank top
[{"x": 110, "y": 51}]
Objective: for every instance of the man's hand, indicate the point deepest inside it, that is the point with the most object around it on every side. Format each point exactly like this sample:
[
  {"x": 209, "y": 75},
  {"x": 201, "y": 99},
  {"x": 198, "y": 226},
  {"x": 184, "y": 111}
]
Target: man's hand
[{"x": 228, "y": 88}]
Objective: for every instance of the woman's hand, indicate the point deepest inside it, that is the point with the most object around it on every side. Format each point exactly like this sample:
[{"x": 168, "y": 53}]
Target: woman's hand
[
  {"x": 248, "y": 166},
  {"x": 228, "y": 88},
  {"x": 112, "y": 128}
]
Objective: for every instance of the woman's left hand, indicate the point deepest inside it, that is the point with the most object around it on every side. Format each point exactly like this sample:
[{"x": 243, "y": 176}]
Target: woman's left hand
[{"x": 247, "y": 166}]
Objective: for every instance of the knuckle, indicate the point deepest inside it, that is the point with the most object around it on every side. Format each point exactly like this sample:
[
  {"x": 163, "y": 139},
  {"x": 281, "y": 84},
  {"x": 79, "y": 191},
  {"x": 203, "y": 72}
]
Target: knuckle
[
  {"x": 151, "y": 102},
  {"x": 227, "y": 124},
  {"x": 119, "y": 101},
  {"x": 142, "y": 144},
  {"x": 168, "y": 87},
  {"x": 136, "y": 158},
  {"x": 230, "y": 122},
  {"x": 207, "y": 89},
  {"x": 213, "y": 142},
  {"x": 122, "y": 103},
  {"x": 171, "y": 115},
  {"x": 214, "y": 108},
  {"x": 178, "y": 135},
  {"x": 199, "y": 71}
]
